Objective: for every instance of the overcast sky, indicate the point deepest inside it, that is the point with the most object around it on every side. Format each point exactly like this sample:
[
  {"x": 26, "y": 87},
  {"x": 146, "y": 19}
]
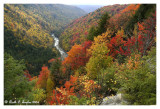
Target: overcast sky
[
  {"x": 85, "y": 2},
  {"x": 81, "y": 2}
]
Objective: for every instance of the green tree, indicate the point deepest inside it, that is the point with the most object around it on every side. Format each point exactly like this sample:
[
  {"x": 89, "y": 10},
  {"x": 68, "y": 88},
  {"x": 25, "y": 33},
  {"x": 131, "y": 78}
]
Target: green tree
[
  {"x": 99, "y": 60},
  {"x": 92, "y": 33},
  {"x": 15, "y": 83},
  {"x": 56, "y": 73},
  {"x": 103, "y": 23},
  {"x": 101, "y": 28},
  {"x": 50, "y": 86},
  {"x": 137, "y": 78},
  {"x": 144, "y": 11},
  {"x": 39, "y": 95}
]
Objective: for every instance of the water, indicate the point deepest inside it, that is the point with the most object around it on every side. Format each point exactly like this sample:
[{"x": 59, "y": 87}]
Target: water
[
  {"x": 56, "y": 44},
  {"x": 113, "y": 100}
]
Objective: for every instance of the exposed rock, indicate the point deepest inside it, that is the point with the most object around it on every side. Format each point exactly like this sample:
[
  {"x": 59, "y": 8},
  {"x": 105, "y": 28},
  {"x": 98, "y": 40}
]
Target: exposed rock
[{"x": 114, "y": 100}]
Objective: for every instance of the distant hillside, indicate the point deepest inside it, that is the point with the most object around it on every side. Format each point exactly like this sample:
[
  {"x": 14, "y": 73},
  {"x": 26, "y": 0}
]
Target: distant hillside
[
  {"x": 89, "y": 8},
  {"x": 77, "y": 31},
  {"x": 110, "y": 59},
  {"x": 27, "y": 29},
  {"x": 39, "y": 18}
]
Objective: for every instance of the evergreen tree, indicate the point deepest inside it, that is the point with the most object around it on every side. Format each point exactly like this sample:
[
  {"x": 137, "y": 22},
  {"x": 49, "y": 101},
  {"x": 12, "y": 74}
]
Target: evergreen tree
[
  {"x": 15, "y": 83},
  {"x": 102, "y": 27}
]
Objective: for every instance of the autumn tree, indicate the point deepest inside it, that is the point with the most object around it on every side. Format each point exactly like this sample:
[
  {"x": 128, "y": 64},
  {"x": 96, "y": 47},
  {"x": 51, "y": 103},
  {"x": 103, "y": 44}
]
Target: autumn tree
[
  {"x": 143, "y": 38},
  {"x": 86, "y": 87},
  {"x": 147, "y": 34},
  {"x": 99, "y": 60},
  {"x": 62, "y": 95},
  {"x": 42, "y": 78},
  {"x": 39, "y": 95},
  {"x": 101, "y": 28},
  {"x": 137, "y": 77},
  {"x": 142, "y": 13},
  {"x": 50, "y": 86},
  {"x": 77, "y": 56},
  {"x": 116, "y": 42},
  {"x": 122, "y": 18}
]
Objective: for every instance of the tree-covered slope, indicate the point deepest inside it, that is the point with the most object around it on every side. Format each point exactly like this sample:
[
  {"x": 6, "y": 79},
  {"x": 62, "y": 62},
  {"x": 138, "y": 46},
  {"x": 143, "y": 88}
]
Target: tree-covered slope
[
  {"x": 77, "y": 31},
  {"x": 35, "y": 22},
  {"x": 27, "y": 29},
  {"x": 112, "y": 64}
]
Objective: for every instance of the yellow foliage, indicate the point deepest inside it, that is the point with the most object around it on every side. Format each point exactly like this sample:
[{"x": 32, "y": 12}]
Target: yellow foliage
[
  {"x": 99, "y": 59},
  {"x": 104, "y": 37},
  {"x": 133, "y": 62}
]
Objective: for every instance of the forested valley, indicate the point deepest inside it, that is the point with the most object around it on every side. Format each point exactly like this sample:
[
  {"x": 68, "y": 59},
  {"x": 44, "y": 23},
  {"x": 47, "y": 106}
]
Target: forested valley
[{"x": 111, "y": 55}]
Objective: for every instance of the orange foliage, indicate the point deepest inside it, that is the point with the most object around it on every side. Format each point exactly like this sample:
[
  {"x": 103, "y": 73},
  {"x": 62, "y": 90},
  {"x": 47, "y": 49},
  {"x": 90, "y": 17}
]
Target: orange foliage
[
  {"x": 83, "y": 85},
  {"x": 51, "y": 60},
  {"x": 133, "y": 63},
  {"x": 73, "y": 79},
  {"x": 142, "y": 41},
  {"x": 131, "y": 8},
  {"x": 86, "y": 86},
  {"x": 33, "y": 78},
  {"x": 62, "y": 95},
  {"x": 77, "y": 56},
  {"x": 42, "y": 78},
  {"x": 120, "y": 19},
  {"x": 78, "y": 30},
  {"x": 28, "y": 76},
  {"x": 72, "y": 57},
  {"x": 147, "y": 34}
]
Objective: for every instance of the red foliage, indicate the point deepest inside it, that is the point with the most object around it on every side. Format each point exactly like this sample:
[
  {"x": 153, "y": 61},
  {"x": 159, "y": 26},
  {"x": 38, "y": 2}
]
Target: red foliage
[
  {"x": 33, "y": 78},
  {"x": 28, "y": 76},
  {"x": 131, "y": 8},
  {"x": 73, "y": 79},
  {"x": 62, "y": 95},
  {"x": 130, "y": 46},
  {"x": 81, "y": 26},
  {"x": 67, "y": 85},
  {"x": 145, "y": 39},
  {"x": 42, "y": 78},
  {"x": 116, "y": 43},
  {"x": 77, "y": 56},
  {"x": 81, "y": 86},
  {"x": 86, "y": 87},
  {"x": 51, "y": 60},
  {"x": 146, "y": 34},
  {"x": 141, "y": 43},
  {"x": 75, "y": 38},
  {"x": 86, "y": 45},
  {"x": 120, "y": 19}
]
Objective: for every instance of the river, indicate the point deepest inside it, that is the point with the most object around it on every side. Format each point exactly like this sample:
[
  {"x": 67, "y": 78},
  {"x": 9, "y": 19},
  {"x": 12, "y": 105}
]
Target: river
[{"x": 56, "y": 44}]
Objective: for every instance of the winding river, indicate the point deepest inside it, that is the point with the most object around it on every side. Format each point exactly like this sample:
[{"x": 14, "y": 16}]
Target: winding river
[{"x": 56, "y": 44}]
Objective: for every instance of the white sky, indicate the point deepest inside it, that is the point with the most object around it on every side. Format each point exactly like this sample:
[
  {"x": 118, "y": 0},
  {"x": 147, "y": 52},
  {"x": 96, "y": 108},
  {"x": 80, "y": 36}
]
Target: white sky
[{"x": 81, "y": 2}]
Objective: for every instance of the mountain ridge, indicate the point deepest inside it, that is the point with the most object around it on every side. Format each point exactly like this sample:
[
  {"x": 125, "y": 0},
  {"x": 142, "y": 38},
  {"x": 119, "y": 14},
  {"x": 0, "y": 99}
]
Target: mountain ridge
[
  {"x": 77, "y": 30},
  {"x": 30, "y": 26},
  {"x": 89, "y": 8}
]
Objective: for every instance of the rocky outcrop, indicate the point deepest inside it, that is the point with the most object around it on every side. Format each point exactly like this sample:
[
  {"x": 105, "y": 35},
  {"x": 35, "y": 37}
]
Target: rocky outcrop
[{"x": 114, "y": 100}]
